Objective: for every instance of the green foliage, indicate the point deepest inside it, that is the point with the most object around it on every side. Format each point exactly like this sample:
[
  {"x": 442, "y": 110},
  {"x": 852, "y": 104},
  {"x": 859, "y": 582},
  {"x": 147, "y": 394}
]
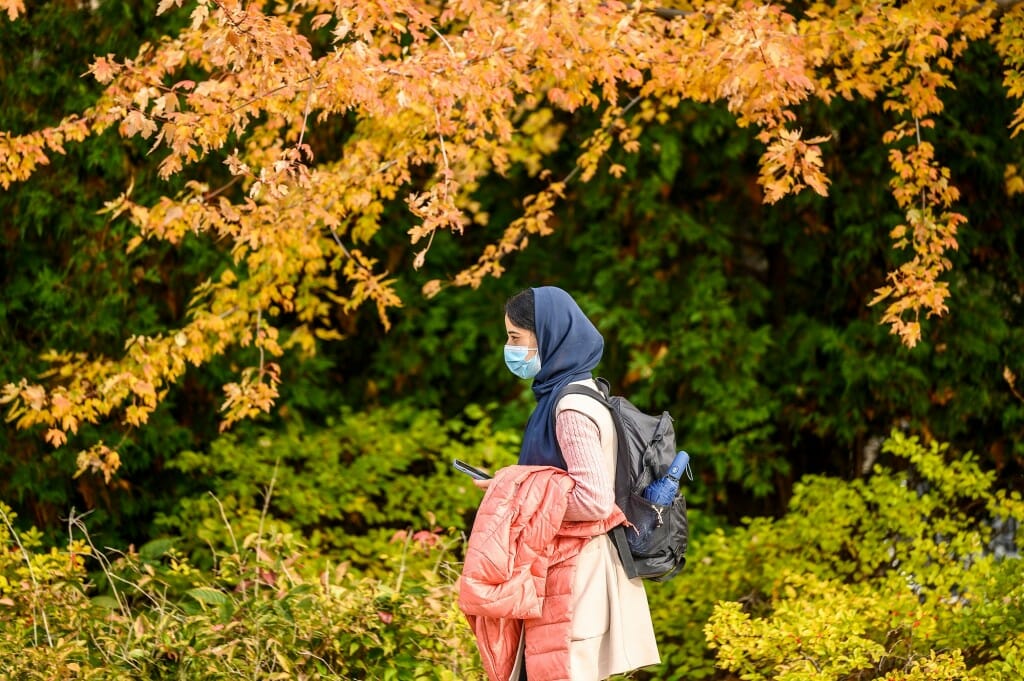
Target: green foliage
[
  {"x": 259, "y": 613},
  {"x": 889, "y": 577},
  {"x": 750, "y": 324},
  {"x": 351, "y": 487}
]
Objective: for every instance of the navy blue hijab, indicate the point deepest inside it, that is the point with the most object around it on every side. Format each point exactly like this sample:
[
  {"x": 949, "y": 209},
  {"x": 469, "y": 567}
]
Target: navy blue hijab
[{"x": 570, "y": 347}]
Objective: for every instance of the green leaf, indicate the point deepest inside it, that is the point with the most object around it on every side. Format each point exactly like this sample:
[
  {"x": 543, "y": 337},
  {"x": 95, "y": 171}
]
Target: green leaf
[
  {"x": 154, "y": 550},
  {"x": 208, "y": 596},
  {"x": 108, "y": 602}
]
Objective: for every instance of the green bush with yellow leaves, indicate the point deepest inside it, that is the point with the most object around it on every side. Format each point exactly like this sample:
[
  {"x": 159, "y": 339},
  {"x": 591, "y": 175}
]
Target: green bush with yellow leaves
[
  {"x": 258, "y": 613},
  {"x": 909, "y": 574}
]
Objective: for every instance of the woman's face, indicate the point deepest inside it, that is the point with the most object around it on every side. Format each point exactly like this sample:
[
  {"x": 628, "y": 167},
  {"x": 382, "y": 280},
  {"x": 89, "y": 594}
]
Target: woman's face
[{"x": 521, "y": 337}]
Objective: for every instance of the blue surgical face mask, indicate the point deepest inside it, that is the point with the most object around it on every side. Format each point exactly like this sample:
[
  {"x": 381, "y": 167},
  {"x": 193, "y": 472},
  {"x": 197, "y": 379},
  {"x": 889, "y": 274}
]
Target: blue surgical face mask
[{"x": 515, "y": 359}]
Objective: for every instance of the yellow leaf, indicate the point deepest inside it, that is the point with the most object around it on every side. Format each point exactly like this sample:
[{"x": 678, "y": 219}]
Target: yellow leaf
[
  {"x": 56, "y": 437},
  {"x": 431, "y": 288},
  {"x": 329, "y": 334},
  {"x": 881, "y": 294},
  {"x": 166, "y": 5}
]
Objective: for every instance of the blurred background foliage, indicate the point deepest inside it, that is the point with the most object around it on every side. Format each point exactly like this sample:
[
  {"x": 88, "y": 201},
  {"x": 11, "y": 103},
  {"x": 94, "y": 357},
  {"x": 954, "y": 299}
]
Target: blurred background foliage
[{"x": 750, "y": 323}]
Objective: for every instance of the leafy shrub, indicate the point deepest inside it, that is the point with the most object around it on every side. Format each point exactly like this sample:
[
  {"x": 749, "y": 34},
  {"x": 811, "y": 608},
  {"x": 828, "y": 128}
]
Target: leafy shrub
[
  {"x": 314, "y": 553},
  {"x": 907, "y": 575},
  {"x": 350, "y": 488},
  {"x": 891, "y": 577},
  {"x": 258, "y": 614}
]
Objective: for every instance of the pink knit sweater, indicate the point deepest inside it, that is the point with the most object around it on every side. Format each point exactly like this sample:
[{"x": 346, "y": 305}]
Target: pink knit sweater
[{"x": 593, "y": 496}]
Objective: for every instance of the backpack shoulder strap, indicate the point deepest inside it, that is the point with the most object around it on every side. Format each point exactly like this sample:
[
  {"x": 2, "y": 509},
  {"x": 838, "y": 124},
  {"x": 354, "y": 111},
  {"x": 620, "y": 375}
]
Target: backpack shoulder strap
[{"x": 603, "y": 395}]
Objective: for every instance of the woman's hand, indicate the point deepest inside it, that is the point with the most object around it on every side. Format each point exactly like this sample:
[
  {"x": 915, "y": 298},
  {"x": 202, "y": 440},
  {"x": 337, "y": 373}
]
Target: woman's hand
[{"x": 483, "y": 484}]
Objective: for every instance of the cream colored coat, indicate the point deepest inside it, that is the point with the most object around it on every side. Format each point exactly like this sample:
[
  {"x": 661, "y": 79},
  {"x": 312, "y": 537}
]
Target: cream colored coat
[{"x": 612, "y": 631}]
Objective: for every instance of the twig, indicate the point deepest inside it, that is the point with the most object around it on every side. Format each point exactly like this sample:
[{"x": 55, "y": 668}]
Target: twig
[
  {"x": 264, "y": 95},
  {"x": 305, "y": 113},
  {"x": 309, "y": 653},
  {"x": 237, "y": 24},
  {"x": 444, "y": 152},
  {"x": 258, "y": 549},
  {"x": 344, "y": 249},
  {"x": 263, "y": 516},
  {"x": 401, "y": 566},
  {"x": 76, "y": 521},
  {"x": 224, "y": 517},
  {"x": 443, "y": 40},
  {"x": 917, "y": 128},
  {"x": 259, "y": 324},
  {"x": 234, "y": 542},
  {"x": 35, "y": 583},
  {"x": 210, "y": 195}
]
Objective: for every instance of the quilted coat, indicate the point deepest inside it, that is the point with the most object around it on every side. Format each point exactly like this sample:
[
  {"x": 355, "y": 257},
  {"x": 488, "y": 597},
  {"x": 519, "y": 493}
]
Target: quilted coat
[{"x": 520, "y": 574}]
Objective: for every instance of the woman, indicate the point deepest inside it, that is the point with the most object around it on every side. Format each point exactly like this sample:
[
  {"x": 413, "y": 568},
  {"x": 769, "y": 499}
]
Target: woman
[{"x": 565, "y": 473}]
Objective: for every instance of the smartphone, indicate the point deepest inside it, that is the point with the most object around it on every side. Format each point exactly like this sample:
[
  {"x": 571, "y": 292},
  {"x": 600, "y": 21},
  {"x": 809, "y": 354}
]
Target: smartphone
[{"x": 472, "y": 472}]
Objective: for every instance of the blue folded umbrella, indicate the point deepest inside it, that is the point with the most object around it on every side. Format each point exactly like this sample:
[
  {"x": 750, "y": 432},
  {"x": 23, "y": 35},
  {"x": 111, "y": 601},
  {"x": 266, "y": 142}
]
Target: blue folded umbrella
[{"x": 663, "y": 490}]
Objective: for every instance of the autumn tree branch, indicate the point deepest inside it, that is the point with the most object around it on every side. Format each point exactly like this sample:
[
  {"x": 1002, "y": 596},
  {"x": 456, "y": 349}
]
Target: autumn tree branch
[{"x": 462, "y": 104}]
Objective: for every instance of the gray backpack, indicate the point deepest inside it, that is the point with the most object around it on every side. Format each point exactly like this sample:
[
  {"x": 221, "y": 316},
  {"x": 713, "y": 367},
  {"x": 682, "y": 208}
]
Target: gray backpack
[{"x": 653, "y": 545}]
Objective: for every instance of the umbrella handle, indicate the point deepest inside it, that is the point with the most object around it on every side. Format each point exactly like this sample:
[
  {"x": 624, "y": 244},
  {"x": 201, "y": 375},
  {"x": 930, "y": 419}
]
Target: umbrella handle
[{"x": 679, "y": 464}]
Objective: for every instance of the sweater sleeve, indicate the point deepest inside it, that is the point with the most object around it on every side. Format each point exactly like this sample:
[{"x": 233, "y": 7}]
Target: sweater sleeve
[{"x": 593, "y": 496}]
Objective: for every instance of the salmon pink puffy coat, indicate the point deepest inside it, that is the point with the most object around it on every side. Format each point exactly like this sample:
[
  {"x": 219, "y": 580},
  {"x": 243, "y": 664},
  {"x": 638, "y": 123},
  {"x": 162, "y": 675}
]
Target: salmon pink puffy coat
[{"x": 519, "y": 584}]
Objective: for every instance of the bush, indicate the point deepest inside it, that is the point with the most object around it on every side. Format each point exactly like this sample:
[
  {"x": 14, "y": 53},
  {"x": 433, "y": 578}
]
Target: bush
[
  {"x": 258, "y": 614},
  {"x": 899, "y": 576},
  {"x": 349, "y": 488},
  {"x": 910, "y": 574}
]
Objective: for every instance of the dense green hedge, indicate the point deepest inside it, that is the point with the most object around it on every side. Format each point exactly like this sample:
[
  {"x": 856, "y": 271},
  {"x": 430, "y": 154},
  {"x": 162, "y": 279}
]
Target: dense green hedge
[{"x": 347, "y": 487}]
